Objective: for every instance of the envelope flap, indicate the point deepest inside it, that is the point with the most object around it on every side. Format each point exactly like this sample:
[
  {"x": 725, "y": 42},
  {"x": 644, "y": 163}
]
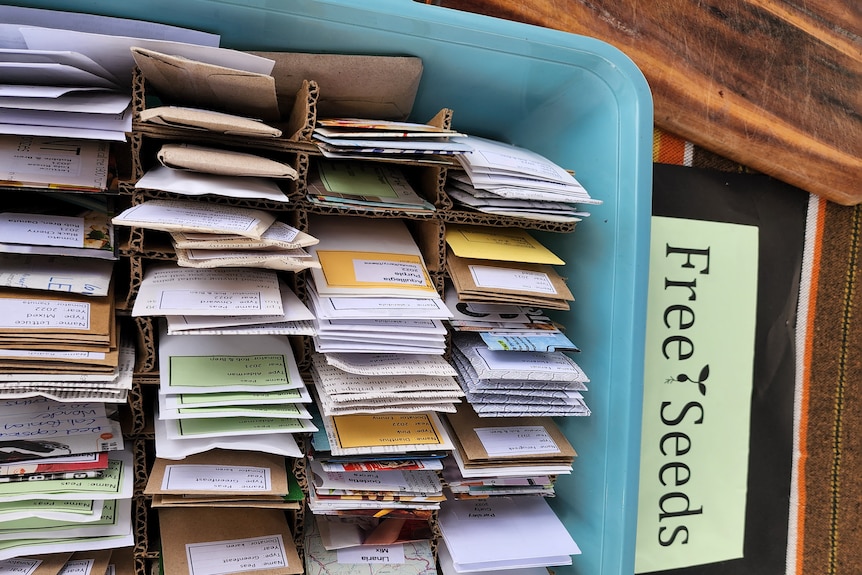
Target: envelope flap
[{"x": 186, "y": 82}]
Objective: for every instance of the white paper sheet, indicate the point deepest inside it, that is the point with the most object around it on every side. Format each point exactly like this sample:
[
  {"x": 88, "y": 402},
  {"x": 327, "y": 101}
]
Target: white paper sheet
[
  {"x": 170, "y": 290},
  {"x": 504, "y": 532},
  {"x": 170, "y": 448},
  {"x": 195, "y": 183},
  {"x": 76, "y": 100},
  {"x": 243, "y": 363},
  {"x": 114, "y": 52}
]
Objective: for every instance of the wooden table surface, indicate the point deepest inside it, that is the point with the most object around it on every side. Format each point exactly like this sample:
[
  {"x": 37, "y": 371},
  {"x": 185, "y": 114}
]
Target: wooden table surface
[{"x": 775, "y": 85}]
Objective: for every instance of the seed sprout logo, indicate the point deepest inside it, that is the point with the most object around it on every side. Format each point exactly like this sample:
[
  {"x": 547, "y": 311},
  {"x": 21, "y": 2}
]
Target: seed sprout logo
[{"x": 701, "y": 378}]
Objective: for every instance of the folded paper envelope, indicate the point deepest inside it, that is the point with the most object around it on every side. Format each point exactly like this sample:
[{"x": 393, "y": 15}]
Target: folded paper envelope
[
  {"x": 186, "y": 82},
  {"x": 209, "y": 120},
  {"x": 222, "y": 162},
  {"x": 492, "y": 243},
  {"x": 376, "y": 87},
  {"x": 465, "y": 422},
  {"x": 204, "y": 540},
  {"x": 159, "y": 480},
  {"x": 511, "y": 282}
]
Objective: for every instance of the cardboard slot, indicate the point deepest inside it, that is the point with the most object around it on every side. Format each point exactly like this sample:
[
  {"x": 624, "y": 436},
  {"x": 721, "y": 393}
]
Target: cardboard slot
[
  {"x": 426, "y": 180},
  {"x": 293, "y": 189},
  {"x": 298, "y": 109}
]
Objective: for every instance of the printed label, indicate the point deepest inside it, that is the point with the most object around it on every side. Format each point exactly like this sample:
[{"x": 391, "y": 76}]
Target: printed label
[
  {"x": 216, "y": 478},
  {"x": 512, "y": 279},
  {"x": 522, "y": 440},
  {"x": 236, "y": 556}
]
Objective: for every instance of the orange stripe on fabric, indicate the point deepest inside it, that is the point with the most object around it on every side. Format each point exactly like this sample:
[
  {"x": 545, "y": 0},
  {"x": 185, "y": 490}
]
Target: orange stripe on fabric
[
  {"x": 667, "y": 148},
  {"x": 806, "y": 383}
]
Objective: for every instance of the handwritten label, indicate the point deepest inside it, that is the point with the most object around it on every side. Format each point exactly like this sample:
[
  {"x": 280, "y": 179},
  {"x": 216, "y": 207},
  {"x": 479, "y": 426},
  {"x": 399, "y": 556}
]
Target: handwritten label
[
  {"x": 364, "y": 554},
  {"x": 44, "y": 313},
  {"x": 512, "y": 279},
  {"x": 521, "y": 440},
  {"x": 236, "y": 555},
  {"x": 389, "y": 272},
  {"x": 78, "y": 567},
  {"x": 480, "y": 510},
  {"x": 19, "y": 566},
  {"x": 216, "y": 478},
  {"x": 42, "y": 230}
]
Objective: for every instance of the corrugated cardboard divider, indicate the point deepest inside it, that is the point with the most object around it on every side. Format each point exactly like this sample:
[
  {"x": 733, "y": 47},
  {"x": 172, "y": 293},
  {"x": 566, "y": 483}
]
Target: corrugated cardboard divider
[
  {"x": 296, "y": 127},
  {"x": 482, "y": 219},
  {"x": 146, "y": 359},
  {"x": 137, "y": 410}
]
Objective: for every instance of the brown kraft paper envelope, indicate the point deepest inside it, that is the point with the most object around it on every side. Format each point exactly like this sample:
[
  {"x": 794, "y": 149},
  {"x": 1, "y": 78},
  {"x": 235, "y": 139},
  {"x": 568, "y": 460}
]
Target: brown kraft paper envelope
[
  {"x": 111, "y": 351},
  {"x": 222, "y": 162},
  {"x": 50, "y": 563},
  {"x": 207, "y": 120},
  {"x": 101, "y": 314},
  {"x": 467, "y": 290},
  {"x": 460, "y": 267},
  {"x": 185, "y": 82},
  {"x": 374, "y": 87},
  {"x": 100, "y": 558},
  {"x": 222, "y": 457},
  {"x": 123, "y": 560},
  {"x": 465, "y": 421},
  {"x": 183, "y": 527}
]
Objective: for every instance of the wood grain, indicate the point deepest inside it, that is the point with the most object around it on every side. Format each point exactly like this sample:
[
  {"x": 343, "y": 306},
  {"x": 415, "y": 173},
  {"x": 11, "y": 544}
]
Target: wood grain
[{"x": 772, "y": 84}]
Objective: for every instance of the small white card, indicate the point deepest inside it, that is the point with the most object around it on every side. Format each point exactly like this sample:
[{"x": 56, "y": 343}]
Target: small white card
[
  {"x": 520, "y": 440},
  {"x": 535, "y": 361},
  {"x": 44, "y": 314},
  {"x": 78, "y": 567},
  {"x": 512, "y": 279},
  {"x": 172, "y": 290},
  {"x": 19, "y": 566},
  {"x": 236, "y": 556},
  {"x": 49, "y": 354},
  {"x": 42, "y": 230},
  {"x": 365, "y": 554},
  {"x": 378, "y": 271},
  {"x": 210, "y": 300},
  {"x": 216, "y": 478}
]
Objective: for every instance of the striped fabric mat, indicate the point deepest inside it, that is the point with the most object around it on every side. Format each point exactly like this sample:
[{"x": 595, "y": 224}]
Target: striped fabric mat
[
  {"x": 825, "y": 503},
  {"x": 826, "y": 499}
]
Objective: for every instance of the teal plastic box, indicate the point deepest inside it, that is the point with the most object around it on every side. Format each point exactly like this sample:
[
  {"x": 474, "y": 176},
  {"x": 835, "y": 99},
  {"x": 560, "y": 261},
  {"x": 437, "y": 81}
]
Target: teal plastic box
[{"x": 576, "y": 100}]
